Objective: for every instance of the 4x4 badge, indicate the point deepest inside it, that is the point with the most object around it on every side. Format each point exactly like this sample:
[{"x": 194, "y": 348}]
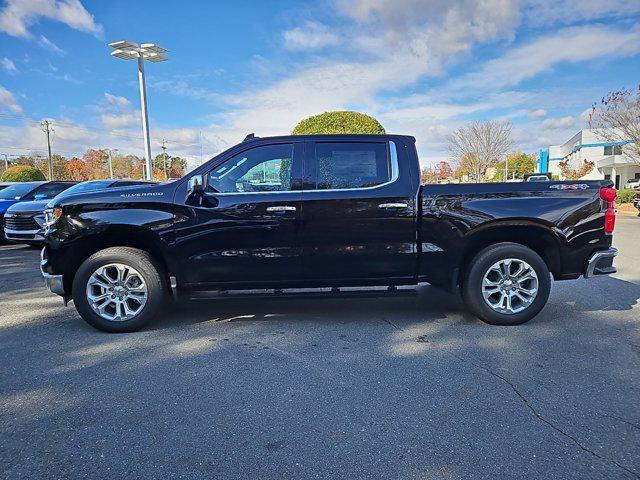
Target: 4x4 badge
[{"x": 576, "y": 186}]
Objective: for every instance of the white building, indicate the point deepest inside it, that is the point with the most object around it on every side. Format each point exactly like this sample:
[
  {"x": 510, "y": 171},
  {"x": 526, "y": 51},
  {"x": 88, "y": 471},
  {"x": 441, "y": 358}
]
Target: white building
[{"x": 587, "y": 145}]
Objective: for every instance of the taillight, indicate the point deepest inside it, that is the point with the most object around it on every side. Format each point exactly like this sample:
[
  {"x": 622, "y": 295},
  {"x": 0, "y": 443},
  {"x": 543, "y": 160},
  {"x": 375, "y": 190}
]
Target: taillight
[{"x": 609, "y": 196}]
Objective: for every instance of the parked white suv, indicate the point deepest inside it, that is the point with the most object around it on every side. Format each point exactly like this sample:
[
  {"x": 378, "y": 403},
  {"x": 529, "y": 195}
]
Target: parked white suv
[{"x": 633, "y": 183}]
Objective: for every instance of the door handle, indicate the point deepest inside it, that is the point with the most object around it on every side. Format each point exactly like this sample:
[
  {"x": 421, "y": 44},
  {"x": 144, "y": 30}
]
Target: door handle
[
  {"x": 393, "y": 205},
  {"x": 281, "y": 208}
]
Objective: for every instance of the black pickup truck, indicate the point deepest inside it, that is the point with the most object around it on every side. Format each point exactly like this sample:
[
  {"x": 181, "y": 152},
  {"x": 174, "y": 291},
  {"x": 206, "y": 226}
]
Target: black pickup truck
[{"x": 333, "y": 211}]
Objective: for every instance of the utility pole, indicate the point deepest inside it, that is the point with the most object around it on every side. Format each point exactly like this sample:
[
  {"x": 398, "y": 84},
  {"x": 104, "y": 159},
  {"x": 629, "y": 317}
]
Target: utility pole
[
  {"x": 164, "y": 155},
  {"x": 48, "y": 128},
  {"x": 6, "y": 162}
]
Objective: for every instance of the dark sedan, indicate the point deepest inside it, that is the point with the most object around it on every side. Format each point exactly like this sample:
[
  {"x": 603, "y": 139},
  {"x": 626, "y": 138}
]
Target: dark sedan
[{"x": 24, "y": 221}]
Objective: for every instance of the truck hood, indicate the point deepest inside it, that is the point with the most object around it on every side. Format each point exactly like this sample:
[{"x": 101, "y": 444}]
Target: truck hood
[
  {"x": 5, "y": 204},
  {"x": 28, "y": 207},
  {"x": 140, "y": 193}
]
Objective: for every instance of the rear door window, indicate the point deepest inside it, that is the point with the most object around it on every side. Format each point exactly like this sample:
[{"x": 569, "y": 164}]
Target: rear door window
[
  {"x": 50, "y": 190},
  {"x": 348, "y": 165}
]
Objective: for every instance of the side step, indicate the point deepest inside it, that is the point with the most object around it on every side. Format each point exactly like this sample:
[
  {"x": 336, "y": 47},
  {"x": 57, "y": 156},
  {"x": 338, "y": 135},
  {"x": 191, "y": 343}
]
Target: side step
[{"x": 335, "y": 292}]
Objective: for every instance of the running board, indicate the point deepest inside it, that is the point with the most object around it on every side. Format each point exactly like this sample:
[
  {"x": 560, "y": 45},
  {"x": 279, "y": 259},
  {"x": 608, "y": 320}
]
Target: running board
[{"x": 305, "y": 293}]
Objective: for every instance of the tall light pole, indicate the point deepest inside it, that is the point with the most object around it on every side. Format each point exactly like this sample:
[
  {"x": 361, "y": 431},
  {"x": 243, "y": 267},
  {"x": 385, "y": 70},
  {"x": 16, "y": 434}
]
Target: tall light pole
[
  {"x": 111, "y": 161},
  {"x": 146, "y": 51}
]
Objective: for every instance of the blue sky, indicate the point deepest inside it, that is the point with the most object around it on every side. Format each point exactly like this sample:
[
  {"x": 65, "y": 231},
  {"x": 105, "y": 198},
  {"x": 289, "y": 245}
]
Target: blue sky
[{"x": 421, "y": 67}]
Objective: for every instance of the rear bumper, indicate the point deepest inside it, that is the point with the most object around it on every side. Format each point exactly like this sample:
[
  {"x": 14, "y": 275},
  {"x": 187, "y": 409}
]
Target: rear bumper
[
  {"x": 601, "y": 263},
  {"x": 53, "y": 282}
]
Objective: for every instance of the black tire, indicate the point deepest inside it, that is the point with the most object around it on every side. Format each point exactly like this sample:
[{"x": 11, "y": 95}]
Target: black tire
[
  {"x": 480, "y": 264},
  {"x": 141, "y": 261}
]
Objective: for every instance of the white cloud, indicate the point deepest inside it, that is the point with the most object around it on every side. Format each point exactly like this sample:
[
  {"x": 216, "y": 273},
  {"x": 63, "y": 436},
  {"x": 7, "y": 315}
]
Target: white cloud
[
  {"x": 538, "y": 114},
  {"x": 8, "y": 65},
  {"x": 116, "y": 101},
  {"x": 310, "y": 36},
  {"x": 118, "y": 122},
  {"x": 553, "y": 12},
  {"x": 554, "y": 123},
  {"x": 574, "y": 44},
  {"x": 18, "y": 15},
  {"x": 8, "y": 101},
  {"x": 47, "y": 44}
]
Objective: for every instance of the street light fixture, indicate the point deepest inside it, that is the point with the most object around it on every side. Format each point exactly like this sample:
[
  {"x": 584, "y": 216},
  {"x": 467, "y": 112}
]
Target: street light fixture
[{"x": 146, "y": 51}]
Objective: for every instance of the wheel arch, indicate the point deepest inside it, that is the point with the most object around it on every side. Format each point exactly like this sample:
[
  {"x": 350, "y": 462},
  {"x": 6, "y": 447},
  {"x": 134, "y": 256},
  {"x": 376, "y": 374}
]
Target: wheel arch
[
  {"x": 114, "y": 236},
  {"x": 538, "y": 237}
]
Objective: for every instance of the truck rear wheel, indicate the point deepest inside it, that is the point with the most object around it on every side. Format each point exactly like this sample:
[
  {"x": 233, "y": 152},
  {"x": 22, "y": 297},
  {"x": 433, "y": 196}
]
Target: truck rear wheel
[
  {"x": 506, "y": 284},
  {"x": 119, "y": 289}
]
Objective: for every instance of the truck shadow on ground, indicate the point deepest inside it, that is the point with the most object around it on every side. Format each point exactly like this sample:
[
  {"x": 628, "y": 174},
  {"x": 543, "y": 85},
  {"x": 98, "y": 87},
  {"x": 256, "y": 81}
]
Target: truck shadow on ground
[
  {"x": 431, "y": 303},
  {"x": 241, "y": 369}
]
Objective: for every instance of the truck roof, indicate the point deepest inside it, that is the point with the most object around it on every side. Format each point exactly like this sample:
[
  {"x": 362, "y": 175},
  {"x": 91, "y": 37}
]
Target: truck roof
[{"x": 386, "y": 136}]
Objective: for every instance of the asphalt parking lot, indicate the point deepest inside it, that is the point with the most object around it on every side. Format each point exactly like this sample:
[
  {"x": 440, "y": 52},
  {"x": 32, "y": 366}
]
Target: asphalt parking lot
[{"x": 344, "y": 388}]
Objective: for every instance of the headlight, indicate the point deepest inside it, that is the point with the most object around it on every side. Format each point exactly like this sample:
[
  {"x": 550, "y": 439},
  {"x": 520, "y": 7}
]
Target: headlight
[{"x": 51, "y": 216}]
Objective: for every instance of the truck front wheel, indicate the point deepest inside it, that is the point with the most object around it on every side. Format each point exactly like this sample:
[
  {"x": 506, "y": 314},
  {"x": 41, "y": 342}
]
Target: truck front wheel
[
  {"x": 119, "y": 289},
  {"x": 506, "y": 284}
]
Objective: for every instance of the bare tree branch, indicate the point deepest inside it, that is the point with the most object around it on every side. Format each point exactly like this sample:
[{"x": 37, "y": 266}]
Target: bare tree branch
[
  {"x": 477, "y": 145},
  {"x": 617, "y": 119}
]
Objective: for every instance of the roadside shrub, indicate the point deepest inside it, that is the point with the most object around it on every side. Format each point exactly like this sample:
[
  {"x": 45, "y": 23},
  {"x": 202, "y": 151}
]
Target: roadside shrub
[
  {"x": 339, "y": 122},
  {"x": 626, "y": 195},
  {"x": 22, "y": 173}
]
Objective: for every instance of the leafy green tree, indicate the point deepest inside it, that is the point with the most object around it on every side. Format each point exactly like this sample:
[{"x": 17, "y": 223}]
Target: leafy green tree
[
  {"x": 518, "y": 164},
  {"x": 22, "y": 173},
  {"x": 339, "y": 122}
]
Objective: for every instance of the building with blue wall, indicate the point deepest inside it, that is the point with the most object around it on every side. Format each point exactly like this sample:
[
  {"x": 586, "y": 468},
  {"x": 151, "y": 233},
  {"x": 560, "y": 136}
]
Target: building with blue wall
[{"x": 612, "y": 159}]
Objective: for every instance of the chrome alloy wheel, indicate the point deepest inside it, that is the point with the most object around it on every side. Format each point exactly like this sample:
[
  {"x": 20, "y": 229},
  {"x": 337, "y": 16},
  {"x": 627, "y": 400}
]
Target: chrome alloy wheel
[
  {"x": 510, "y": 286},
  {"x": 117, "y": 292}
]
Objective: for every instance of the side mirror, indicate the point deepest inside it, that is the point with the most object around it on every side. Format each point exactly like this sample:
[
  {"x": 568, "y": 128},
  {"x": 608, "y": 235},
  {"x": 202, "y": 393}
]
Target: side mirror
[
  {"x": 40, "y": 196},
  {"x": 196, "y": 186}
]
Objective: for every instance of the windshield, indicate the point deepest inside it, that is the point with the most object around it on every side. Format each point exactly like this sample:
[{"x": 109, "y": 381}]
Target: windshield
[
  {"x": 16, "y": 192},
  {"x": 86, "y": 187}
]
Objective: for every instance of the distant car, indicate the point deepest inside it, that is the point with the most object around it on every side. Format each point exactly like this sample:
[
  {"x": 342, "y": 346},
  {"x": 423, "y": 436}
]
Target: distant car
[
  {"x": 24, "y": 221},
  {"x": 537, "y": 178},
  {"x": 20, "y": 192}
]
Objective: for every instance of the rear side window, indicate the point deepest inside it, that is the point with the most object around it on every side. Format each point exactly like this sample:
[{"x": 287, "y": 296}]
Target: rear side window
[
  {"x": 50, "y": 190},
  {"x": 342, "y": 165}
]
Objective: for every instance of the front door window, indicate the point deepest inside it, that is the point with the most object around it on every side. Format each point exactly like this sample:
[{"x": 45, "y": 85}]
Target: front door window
[{"x": 261, "y": 169}]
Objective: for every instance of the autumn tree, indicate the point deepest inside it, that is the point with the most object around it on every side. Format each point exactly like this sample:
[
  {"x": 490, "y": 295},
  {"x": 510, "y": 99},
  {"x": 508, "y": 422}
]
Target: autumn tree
[
  {"x": 178, "y": 167},
  {"x": 97, "y": 163},
  {"x": 427, "y": 175},
  {"x": 77, "y": 170},
  {"x": 443, "y": 170},
  {"x": 567, "y": 172},
  {"x": 616, "y": 119},
  {"x": 518, "y": 164},
  {"x": 478, "y": 145}
]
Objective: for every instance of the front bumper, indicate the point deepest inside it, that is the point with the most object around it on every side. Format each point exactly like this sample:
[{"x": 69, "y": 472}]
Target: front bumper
[
  {"x": 601, "y": 263},
  {"x": 53, "y": 282},
  {"x": 24, "y": 235}
]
